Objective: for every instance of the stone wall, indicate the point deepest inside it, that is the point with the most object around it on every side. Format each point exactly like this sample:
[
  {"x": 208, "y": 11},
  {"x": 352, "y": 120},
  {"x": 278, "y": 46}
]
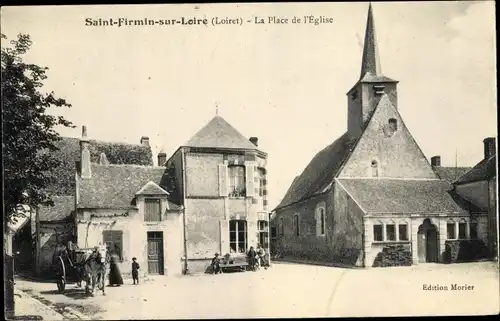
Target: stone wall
[
  {"x": 342, "y": 242},
  {"x": 50, "y": 235}
]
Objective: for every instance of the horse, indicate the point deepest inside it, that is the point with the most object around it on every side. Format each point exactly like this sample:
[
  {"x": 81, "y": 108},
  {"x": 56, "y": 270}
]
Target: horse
[{"x": 96, "y": 266}]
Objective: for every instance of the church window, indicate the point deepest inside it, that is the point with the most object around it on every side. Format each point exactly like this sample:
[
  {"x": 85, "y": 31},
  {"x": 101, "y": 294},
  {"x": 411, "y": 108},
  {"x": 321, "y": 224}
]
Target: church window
[
  {"x": 237, "y": 185},
  {"x": 403, "y": 232},
  {"x": 296, "y": 225},
  {"x": 320, "y": 221},
  {"x": 473, "y": 229},
  {"x": 374, "y": 168},
  {"x": 393, "y": 124},
  {"x": 462, "y": 228},
  {"x": 391, "y": 232},
  {"x": 450, "y": 230},
  {"x": 378, "y": 233},
  {"x": 282, "y": 226}
]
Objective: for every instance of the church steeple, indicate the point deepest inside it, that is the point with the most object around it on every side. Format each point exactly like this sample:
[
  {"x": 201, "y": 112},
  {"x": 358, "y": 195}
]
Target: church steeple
[
  {"x": 371, "y": 60},
  {"x": 372, "y": 84}
]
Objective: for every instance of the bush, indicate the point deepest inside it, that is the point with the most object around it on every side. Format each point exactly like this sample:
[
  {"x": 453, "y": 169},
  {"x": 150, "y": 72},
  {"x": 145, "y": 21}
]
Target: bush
[
  {"x": 393, "y": 255},
  {"x": 458, "y": 251}
]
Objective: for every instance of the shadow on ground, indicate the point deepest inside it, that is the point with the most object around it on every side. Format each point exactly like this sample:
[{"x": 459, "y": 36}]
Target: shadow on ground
[{"x": 76, "y": 294}]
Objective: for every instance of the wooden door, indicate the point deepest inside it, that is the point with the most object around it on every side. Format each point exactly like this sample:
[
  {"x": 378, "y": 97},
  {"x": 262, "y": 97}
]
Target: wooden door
[
  {"x": 421, "y": 246},
  {"x": 155, "y": 252},
  {"x": 431, "y": 246}
]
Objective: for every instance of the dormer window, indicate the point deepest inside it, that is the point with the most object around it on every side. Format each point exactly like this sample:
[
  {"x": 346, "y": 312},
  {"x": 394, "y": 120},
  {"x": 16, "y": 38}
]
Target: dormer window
[{"x": 152, "y": 210}]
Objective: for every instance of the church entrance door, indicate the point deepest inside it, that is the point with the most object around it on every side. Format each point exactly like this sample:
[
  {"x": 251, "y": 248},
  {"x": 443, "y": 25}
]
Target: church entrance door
[{"x": 427, "y": 242}]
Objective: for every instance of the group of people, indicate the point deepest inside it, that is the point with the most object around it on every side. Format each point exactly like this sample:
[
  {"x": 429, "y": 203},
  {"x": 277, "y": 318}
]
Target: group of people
[{"x": 255, "y": 257}]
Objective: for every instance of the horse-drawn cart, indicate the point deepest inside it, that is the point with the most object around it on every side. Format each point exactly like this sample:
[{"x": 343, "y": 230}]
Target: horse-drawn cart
[{"x": 69, "y": 267}]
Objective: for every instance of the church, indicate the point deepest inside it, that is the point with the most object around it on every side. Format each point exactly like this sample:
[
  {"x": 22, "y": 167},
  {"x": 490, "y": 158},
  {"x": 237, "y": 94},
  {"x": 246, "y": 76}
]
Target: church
[{"x": 371, "y": 198}]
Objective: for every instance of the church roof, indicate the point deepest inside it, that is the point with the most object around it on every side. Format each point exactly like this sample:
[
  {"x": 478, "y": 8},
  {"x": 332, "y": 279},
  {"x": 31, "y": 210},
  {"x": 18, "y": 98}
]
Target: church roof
[
  {"x": 115, "y": 186},
  {"x": 218, "y": 133},
  {"x": 450, "y": 174},
  {"x": 392, "y": 196},
  {"x": 484, "y": 170},
  {"x": 320, "y": 172}
]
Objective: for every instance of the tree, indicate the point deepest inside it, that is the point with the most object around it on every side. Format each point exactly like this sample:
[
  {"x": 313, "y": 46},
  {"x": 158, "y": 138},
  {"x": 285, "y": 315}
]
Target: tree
[{"x": 28, "y": 131}]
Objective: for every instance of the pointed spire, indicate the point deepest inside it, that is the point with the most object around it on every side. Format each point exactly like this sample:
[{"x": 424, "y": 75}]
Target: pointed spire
[{"x": 371, "y": 60}]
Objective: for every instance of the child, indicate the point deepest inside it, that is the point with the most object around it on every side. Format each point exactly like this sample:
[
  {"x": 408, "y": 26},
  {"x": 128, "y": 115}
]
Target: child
[
  {"x": 135, "y": 270},
  {"x": 216, "y": 264}
]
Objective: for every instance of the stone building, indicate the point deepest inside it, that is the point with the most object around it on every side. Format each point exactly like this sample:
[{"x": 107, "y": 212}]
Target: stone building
[
  {"x": 221, "y": 183},
  {"x": 372, "y": 193},
  {"x": 128, "y": 208},
  {"x": 479, "y": 186}
]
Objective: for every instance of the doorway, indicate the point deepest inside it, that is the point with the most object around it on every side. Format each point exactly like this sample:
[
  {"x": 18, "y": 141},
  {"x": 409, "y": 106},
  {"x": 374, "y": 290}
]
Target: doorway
[
  {"x": 155, "y": 253},
  {"x": 427, "y": 242}
]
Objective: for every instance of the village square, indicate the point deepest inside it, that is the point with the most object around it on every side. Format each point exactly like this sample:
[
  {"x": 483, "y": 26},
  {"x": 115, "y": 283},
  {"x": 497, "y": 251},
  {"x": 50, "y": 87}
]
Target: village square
[{"x": 131, "y": 233}]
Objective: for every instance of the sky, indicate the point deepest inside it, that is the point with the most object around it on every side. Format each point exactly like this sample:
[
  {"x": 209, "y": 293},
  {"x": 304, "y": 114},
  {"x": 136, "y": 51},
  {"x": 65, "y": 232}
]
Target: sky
[{"x": 284, "y": 83}]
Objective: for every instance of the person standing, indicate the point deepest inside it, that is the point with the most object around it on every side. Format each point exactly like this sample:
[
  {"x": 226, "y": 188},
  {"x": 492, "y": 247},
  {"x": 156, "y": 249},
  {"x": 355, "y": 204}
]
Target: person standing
[
  {"x": 252, "y": 258},
  {"x": 135, "y": 270},
  {"x": 115, "y": 277}
]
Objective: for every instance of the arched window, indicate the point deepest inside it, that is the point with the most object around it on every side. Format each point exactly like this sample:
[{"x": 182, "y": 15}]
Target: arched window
[
  {"x": 320, "y": 221},
  {"x": 282, "y": 226},
  {"x": 393, "y": 124},
  {"x": 296, "y": 225},
  {"x": 473, "y": 229},
  {"x": 374, "y": 168},
  {"x": 462, "y": 229},
  {"x": 450, "y": 230},
  {"x": 390, "y": 230},
  {"x": 403, "y": 231},
  {"x": 378, "y": 231}
]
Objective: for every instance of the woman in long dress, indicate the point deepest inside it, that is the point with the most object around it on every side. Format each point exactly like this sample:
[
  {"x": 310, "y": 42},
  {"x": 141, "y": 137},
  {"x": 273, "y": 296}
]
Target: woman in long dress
[{"x": 115, "y": 277}]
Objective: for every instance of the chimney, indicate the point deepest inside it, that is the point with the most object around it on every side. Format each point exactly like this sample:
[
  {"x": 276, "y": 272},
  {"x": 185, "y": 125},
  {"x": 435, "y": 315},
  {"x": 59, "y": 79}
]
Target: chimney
[
  {"x": 85, "y": 170},
  {"x": 255, "y": 140},
  {"x": 436, "y": 161},
  {"x": 145, "y": 141},
  {"x": 489, "y": 147},
  {"x": 162, "y": 158}
]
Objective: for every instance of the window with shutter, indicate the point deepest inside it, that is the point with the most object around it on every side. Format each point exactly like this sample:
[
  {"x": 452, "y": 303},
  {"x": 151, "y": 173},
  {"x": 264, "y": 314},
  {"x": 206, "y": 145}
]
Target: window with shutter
[
  {"x": 250, "y": 182},
  {"x": 114, "y": 242},
  {"x": 237, "y": 184},
  {"x": 152, "y": 210}
]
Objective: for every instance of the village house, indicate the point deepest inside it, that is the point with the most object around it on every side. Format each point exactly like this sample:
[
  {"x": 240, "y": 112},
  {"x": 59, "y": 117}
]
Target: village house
[
  {"x": 128, "y": 208},
  {"x": 479, "y": 186},
  {"x": 50, "y": 225},
  {"x": 372, "y": 198},
  {"x": 221, "y": 179}
]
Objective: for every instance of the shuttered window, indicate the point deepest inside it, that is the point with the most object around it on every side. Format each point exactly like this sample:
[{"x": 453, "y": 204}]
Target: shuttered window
[
  {"x": 152, "y": 210},
  {"x": 237, "y": 185},
  {"x": 114, "y": 242}
]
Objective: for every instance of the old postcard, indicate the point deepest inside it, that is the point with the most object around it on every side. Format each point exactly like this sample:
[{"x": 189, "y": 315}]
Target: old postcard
[{"x": 270, "y": 160}]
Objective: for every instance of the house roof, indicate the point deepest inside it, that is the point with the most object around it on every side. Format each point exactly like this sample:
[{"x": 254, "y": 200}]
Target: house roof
[
  {"x": 63, "y": 208},
  {"x": 115, "y": 186},
  {"x": 218, "y": 133},
  {"x": 484, "y": 170},
  {"x": 320, "y": 172},
  {"x": 116, "y": 153},
  {"x": 450, "y": 174},
  {"x": 151, "y": 188},
  {"x": 405, "y": 196}
]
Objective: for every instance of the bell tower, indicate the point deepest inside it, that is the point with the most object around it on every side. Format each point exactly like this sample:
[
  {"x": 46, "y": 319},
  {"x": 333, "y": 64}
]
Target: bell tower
[{"x": 372, "y": 84}]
